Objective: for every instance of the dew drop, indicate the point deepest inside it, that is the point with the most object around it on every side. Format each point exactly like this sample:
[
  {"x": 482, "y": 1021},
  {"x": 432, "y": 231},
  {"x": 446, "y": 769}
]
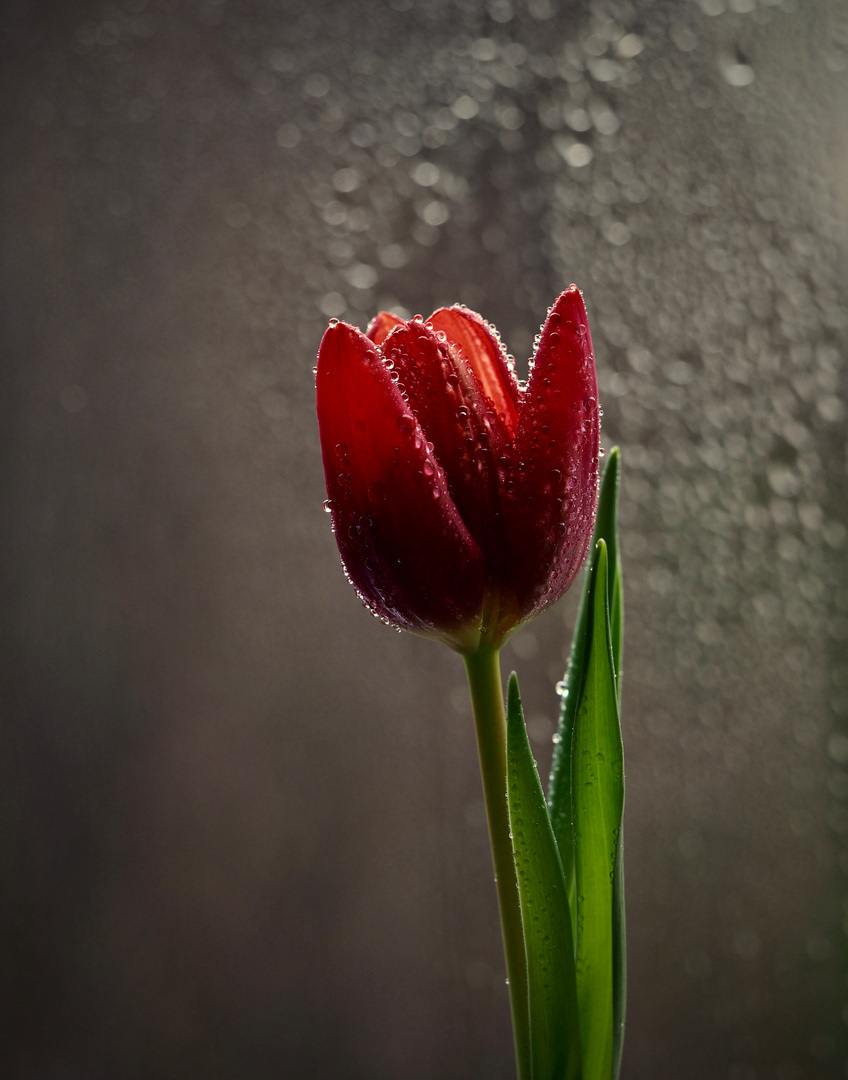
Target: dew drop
[
  {"x": 327, "y": 506},
  {"x": 376, "y": 492}
]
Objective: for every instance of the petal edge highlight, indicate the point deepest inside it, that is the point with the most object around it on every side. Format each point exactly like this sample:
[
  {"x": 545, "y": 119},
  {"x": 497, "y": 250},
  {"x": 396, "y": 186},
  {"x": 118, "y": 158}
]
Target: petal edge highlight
[{"x": 486, "y": 356}]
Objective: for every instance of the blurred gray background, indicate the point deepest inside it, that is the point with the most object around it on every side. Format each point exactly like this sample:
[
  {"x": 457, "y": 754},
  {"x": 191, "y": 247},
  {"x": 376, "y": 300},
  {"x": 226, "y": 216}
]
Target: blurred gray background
[{"x": 241, "y": 828}]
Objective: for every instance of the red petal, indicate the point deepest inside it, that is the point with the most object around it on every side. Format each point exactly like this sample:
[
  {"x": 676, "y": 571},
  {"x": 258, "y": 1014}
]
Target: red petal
[
  {"x": 459, "y": 421},
  {"x": 382, "y": 325},
  {"x": 476, "y": 340},
  {"x": 401, "y": 539},
  {"x": 551, "y": 493}
]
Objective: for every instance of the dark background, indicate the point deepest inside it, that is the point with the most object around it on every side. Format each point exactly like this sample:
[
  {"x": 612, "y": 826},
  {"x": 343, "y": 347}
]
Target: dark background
[{"x": 241, "y": 829}]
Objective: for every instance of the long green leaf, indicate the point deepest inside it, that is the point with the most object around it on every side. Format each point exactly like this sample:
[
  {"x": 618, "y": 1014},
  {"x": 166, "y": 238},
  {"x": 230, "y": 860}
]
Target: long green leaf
[
  {"x": 597, "y": 778},
  {"x": 545, "y": 915},
  {"x": 606, "y": 529},
  {"x": 559, "y": 786},
  {"x": 619, "y": 958}
]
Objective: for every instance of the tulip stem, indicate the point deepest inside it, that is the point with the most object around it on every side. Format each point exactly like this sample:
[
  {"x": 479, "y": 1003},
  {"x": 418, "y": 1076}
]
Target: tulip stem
[{"x": 484, "y": 680}]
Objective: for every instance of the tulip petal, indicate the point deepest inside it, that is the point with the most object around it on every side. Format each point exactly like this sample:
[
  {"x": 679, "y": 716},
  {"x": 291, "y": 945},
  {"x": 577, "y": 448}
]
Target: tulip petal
[
  {"x": 551, "y": 493},
  {"x": 482, "y": 348},
  {"x": 382, "y": 325},
  {"x": 400, "y": 535},
  {"x": 459, "y": 420}
]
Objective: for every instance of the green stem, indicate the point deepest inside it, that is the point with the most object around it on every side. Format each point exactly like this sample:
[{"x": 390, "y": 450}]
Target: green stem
[{"x": 484, "y": 680}]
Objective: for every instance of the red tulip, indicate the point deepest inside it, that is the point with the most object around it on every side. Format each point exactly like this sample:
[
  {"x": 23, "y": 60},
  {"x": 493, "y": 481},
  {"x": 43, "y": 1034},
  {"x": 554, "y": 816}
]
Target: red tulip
[{"x": 463, "y": 501}]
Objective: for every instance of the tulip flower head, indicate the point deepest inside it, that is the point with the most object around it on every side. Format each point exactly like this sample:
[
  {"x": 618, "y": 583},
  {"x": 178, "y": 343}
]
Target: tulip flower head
[{"x": 463, "y": 500}]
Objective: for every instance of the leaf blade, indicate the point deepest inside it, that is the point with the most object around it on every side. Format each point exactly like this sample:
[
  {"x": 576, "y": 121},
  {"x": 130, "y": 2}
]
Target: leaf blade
[
  {"x": 559, "y": 786},
  {"x": 546, "y": 917},
  {"x": 619, "y": 931},
  {"x": 598, "y": 802}
]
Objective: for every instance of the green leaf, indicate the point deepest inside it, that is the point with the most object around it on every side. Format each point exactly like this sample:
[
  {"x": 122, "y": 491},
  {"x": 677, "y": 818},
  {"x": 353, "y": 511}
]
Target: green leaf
[
  {"x": 559, "y": 786},
  {"x": 545, "y": 915},
  {"x": 597, "y": 779},
  {"x": 606, "y": 529},
  {"x": 619, "y": 958}
]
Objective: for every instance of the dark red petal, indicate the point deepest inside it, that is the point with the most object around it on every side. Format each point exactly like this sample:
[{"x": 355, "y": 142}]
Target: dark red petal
[
  {"x": 382, "y": 325},
  {"x": 458, "y": 419},
  {"x": 401, "y": 539},
  {"x": 552, "y": 489},
  {"x": 483, "y": 350}
]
